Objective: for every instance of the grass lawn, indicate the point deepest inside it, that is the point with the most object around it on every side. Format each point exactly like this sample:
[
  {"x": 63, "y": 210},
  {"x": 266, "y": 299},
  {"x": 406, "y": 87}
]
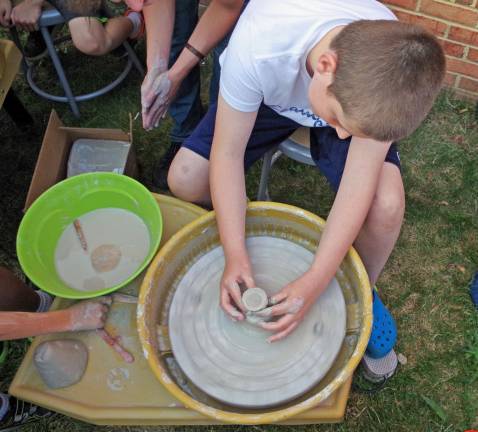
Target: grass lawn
[{"x": 425, "y": 282}]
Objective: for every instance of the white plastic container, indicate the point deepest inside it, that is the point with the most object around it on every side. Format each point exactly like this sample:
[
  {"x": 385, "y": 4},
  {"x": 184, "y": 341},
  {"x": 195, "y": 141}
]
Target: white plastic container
[{"x": 91, "y": 155}]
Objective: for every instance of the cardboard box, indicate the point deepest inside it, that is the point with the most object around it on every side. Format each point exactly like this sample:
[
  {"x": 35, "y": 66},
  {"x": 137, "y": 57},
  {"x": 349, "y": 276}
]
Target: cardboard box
[
  {"x": 53, "y": 158},
  {"x": 10, "y": 59}
]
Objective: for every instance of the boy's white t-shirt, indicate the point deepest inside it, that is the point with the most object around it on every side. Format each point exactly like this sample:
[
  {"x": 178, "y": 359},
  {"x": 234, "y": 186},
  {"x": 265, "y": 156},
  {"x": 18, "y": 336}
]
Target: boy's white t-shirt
[{"x": 265, "y": 60}]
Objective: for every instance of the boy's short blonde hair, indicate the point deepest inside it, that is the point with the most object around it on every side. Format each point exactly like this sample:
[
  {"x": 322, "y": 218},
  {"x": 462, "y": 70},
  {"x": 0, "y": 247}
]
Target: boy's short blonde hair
[{"x": 387, "y": 77}]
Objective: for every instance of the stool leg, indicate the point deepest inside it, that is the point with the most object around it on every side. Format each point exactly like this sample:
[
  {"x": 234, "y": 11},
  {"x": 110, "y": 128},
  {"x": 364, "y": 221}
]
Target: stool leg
[
  {"x": 267, "y": 161},
  {"x": 60, "y": 72},
  {"x": 134, "y": 58},
  {"x": 16, "y": 110}
]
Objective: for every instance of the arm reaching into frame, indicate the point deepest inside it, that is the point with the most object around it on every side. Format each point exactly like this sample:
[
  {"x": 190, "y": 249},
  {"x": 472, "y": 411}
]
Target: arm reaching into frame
[
  {"x": 352, "y": 203},
  {"x": 160, "y": 87},
  {"x": 85, "y": 315},
  {"x": 228, "y": 192}
]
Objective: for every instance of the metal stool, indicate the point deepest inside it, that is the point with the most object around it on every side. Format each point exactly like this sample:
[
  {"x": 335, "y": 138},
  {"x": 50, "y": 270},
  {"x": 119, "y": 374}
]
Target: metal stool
[
  {"x": 296, "y": 147},
  {"x": 52, "y": 17}
]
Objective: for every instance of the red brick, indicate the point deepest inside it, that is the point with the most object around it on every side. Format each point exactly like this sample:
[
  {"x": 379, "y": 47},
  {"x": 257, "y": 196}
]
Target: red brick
[
  {"x": 462, "y": 67},
  {"x": 473, "y": 54},
  {"x": 436, "y": 27},
  {"x": 450, "y": 12},
  {"x": 466, "y": 95},
  {"x": 450, "y": 79},
  {"x": 468, "y": 84},
  {"x": 453, "y": 49},
  {"x": 406, "y": 4},
  {"x": 469, "y": 37}
]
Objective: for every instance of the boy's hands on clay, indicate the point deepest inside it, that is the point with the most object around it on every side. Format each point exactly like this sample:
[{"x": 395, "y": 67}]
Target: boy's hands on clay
[
  {"x": 158, "y": 90},
  {"x": 5, "y": 12},
  {"x": 25, "y": 15},
  {"x": 290, "y": 304},
  {"x": 89, "y": 314},
  {"x": 236, "y": 273}
]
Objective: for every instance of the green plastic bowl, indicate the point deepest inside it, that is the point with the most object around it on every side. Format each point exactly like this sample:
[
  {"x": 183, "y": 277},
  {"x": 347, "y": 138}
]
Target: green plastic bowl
[{"x": 59, "y": 206}]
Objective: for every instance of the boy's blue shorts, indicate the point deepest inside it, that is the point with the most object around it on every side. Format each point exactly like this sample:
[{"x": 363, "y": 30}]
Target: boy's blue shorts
[{"x": 326, "y": 148}]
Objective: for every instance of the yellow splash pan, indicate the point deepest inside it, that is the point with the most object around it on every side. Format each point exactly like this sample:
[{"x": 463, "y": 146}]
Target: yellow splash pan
[
  {"x": 196, "y": 239},
  {"x": 115, "y": 393}
]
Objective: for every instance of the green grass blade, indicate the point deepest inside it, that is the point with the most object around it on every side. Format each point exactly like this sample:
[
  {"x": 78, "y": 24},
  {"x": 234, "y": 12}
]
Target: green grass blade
[{"x": 437, "y": 409}]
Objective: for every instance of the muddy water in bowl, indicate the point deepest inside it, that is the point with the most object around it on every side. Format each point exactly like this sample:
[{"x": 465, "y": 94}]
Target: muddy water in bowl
[{"x": 101, "y": 249}]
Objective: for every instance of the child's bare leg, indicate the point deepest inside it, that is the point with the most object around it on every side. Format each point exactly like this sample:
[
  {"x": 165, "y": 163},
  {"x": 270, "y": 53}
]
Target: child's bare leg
[
  {"x": 188, "y": 177},
  {"x": 16, "y": 295},
  {"x": 380, "y": 231},
  {"x": 92, "y": 37}
]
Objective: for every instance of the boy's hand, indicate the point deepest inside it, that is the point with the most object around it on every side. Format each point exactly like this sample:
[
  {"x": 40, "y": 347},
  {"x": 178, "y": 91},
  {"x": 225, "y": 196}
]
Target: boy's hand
[
  {"x": 235, "y": 273},
  {"x": 158, "y": 90},
  {"x": 25, "y": 15},
  {"x": 89, "y": 314},
  {"x": 5, "y": 12},
  {"x": 292, "y": 303}
]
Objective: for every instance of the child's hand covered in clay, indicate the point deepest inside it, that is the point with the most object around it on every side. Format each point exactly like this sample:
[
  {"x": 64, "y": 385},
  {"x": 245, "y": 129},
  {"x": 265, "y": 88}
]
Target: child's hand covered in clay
[
  {"x": 158, "y": 90},
  {"x": 291, "y": 303},
  {"x": 235, "y": 273},
  {"x": 89, "y": 314}
]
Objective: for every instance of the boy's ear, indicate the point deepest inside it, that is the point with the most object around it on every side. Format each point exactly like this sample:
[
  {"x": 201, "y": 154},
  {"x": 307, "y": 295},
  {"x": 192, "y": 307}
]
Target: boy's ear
[{"x": 327, "y": 62}]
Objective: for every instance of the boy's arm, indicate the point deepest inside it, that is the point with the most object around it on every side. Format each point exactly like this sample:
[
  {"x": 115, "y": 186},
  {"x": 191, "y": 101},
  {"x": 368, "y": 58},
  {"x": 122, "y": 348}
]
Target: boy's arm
[
  {"x": 216, "y": 21},
  {"x": 25, "y": 15},
  {"x": 5, "y": 12},
  {"x": 232, "y": 131},
  {"x": 352, "y": 203}
]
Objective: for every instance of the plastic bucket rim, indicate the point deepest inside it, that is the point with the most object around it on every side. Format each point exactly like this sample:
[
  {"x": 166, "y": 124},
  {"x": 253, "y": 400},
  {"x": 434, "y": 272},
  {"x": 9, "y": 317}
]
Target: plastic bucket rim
[
  {"x": 251, "y": 418},
  {"x": 77, "y": 295}
]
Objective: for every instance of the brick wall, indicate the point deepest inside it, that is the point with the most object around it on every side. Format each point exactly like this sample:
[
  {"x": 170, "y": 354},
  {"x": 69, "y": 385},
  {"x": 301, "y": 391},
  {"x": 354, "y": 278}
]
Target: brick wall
[{"x": 455, "y": 23}]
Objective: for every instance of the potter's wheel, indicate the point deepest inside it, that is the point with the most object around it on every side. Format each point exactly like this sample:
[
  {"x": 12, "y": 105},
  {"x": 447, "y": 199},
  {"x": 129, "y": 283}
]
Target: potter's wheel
[{"x": 232, "y": 361}]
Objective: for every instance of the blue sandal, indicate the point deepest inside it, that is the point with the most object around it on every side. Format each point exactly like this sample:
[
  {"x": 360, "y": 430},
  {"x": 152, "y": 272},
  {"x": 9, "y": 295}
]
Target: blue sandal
[
  {"x": 474, "y": 290},
  {"x": 384, "y": 330}
]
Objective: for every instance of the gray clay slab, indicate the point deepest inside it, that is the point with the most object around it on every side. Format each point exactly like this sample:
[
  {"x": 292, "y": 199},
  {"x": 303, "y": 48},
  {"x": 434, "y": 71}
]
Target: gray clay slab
[{"x": 232, "y": 361}]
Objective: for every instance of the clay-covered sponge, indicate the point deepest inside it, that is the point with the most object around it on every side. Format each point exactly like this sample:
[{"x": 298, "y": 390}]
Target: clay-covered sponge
[{"x": 61, "y": 362}]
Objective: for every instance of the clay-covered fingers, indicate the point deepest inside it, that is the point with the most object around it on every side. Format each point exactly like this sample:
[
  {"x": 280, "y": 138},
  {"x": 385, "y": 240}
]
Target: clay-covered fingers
[
  {"x": 278, "y": 298},
  {"x": 277, "y": 310},
  {"x": 281, "y": 327},
  {"x": 231, "y": 291},
  {"x": 283, "y": 333},
  {"x": 155, "y": 113},
  {"x": 155, "y": 92}
]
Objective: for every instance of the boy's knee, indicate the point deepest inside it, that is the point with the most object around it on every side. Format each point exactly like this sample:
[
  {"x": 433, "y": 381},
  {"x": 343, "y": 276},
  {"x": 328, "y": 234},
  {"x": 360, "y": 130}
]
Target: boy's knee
[{"x": 388, "y": 208}]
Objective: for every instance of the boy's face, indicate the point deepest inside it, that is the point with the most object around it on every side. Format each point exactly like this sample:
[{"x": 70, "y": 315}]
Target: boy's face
[{"x": 324, "y": 104}]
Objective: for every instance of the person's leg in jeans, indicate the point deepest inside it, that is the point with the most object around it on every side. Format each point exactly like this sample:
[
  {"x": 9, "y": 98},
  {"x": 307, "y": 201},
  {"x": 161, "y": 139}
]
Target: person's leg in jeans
[
  {"x": 188, "y": 177},
  {"x": 186, "y": 110}
]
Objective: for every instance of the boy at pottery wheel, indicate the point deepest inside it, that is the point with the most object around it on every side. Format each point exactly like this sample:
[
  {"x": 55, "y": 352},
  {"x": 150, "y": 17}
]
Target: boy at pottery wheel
[{"x": 360, "y": 80}]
